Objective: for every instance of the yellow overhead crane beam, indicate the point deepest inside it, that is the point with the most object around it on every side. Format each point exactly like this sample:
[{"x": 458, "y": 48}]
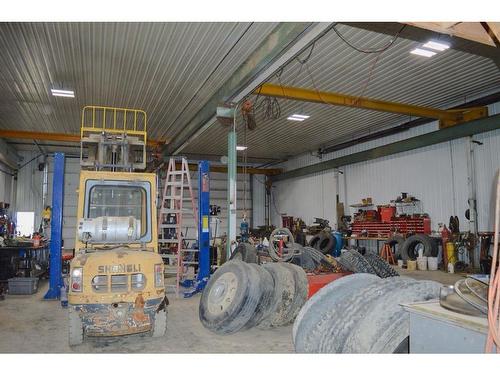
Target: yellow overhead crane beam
[
  {"x": 446, "y": 117},
  {"x": 57, "y": 137}
]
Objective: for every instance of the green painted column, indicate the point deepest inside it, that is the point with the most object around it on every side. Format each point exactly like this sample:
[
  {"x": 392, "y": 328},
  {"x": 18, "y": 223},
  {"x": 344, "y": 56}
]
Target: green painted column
[{"x": 231, "y": 191}]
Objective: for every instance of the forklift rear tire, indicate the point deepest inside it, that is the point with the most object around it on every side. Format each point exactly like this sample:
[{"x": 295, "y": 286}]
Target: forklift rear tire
[
  {"x": 75, "y": 327},
  {"x": 160, "y": 323}
]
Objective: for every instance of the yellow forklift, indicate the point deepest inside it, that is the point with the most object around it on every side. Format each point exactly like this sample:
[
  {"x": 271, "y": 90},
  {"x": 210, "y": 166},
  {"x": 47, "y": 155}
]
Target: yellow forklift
[{"x": 116, "y": 284}]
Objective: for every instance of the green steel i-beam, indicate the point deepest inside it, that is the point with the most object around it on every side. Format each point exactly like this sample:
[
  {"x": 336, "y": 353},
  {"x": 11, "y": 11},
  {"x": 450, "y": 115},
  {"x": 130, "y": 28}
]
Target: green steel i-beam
[
  {"x": 465, "y": 129},
  {"x": 231, "y": 189}
]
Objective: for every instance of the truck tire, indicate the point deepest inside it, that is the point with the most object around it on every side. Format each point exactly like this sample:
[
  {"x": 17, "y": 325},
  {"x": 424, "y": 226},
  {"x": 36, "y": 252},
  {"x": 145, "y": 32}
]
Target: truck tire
[
  {"x": 382, "y": 268},
  {"x": 266, "y": 284},
  {"x": 75, "y": 327},
  {"x": 336, "y": 327},
  {"x": 301, "y": 290},
  {"x": 386, "y": 328},
  {"x": 284, "y": 292},
  {"x": 230, "y": 298},
  {"x": 160, "y": 323},
  {"x": 409, "y": 250},
  {"x": 245, "y": 252},
  {"x": 355, "y": 262},
  {"x": 397, "y": 242},
  {"x": 319, "y": 305}
]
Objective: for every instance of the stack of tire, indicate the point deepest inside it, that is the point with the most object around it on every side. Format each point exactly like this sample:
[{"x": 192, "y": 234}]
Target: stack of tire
[
  {"x": 242, "y": 295},
  {"x": 360, "y": 313}
]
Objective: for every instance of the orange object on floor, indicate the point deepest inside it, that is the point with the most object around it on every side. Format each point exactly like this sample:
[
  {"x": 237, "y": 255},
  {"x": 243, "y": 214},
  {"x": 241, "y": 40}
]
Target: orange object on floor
[
  {"x": 316, "y": 282},
  {"x": 386, "y": 253}
]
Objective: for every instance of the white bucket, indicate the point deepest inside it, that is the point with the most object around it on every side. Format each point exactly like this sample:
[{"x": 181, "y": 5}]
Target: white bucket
[
  {"x": 400, "y": 263},
  {"x": 432, "y": 263},
  {"x": 422, "y": 263}
]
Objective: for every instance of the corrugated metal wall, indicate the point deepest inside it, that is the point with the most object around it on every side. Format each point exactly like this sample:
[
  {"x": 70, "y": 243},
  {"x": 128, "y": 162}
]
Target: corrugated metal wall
[
  {"x": 29, "y": 185},
  {"x": 435, "y": 174}
]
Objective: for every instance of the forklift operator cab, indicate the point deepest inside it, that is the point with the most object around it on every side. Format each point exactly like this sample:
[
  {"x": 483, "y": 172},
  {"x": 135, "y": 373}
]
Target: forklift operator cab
[{"x": 116, "y": 284}]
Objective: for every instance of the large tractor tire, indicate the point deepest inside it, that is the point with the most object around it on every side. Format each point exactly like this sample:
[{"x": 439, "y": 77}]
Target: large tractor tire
[
  {"x": 284, "y": 293},
  {"x": 160, "y": 323},
  {"x": 245, "y": 252},
  {"x": 309, "y": 321},
  {"x": 230, "y": 298},
  {"x": 410, "y": 247},
  {"x": 266, "y": 284},
  {"x": 382, "y": 268},
  {"x": 75, "y": 327},
  {"x": 353, "y": 261}
]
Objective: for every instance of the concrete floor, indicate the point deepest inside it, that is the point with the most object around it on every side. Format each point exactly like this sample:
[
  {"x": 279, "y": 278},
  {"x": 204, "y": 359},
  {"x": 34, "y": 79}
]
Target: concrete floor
[{"x": 30, "y": 325}]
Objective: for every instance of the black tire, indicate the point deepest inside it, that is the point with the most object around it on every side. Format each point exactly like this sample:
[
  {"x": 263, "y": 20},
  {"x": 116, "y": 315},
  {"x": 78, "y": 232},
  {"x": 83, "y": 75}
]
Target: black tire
[
  {"x": 397, "y": 242},
  {"x": 266, "y": 284},
  {"x": 75, "y": 327},
  {"x": 230, "y": 297},
  {"x": 301, "y": 290},
  {"x": 308, "y": 324},
  {"x": 284, "y": 292},
  {"x": 409, "y": 250},
  {"x": 385, "y": 329},
  {"x": 160, "y": 323},
  {"x": 355, "y": 262},
  {"x": 326, "y": 244},
  {"x": 316, "y": 240},
  {"x": 245, "y": 252},
  {"x": 382, "y": 268}
]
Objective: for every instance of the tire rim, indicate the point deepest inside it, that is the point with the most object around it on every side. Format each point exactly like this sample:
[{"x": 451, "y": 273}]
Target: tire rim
[{"x": 222, "y": 293}]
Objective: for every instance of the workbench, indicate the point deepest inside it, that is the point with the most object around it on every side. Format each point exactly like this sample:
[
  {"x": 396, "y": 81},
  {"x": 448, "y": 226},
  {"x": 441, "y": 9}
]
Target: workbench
[
  {"x": 20, "y": 261},
  {"x": 434, "y": 329},
  {"x": 359, "y": 238}
]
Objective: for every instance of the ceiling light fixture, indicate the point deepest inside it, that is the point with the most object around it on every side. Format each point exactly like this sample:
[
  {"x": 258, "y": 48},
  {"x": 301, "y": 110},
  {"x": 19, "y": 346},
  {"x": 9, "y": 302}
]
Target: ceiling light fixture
[
  {"x": 298, "y": 117},
  {"x": 241, "y": 148},
  {"x": 437, "y": 46},
  {"x": 423, "y": 52},
  {"x": 65, "y": 93}
]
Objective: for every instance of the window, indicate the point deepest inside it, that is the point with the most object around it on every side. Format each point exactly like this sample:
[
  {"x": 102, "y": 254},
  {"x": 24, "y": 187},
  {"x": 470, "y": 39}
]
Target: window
[
  {"x": 25, "y": 223},
  {"x": 120, "y": 199}
]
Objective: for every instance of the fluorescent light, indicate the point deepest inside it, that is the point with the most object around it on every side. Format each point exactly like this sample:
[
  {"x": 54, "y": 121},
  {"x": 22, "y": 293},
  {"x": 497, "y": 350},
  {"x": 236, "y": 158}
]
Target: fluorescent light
[
  {"x": 297, "y": 117},
  {"x": 437, "y": 46},
  {"x": 241, "y": 148},
  {"x": 300, "y": 116},
  {"x": 423, "y": 52},
  {"x": 65, "y": 93}
]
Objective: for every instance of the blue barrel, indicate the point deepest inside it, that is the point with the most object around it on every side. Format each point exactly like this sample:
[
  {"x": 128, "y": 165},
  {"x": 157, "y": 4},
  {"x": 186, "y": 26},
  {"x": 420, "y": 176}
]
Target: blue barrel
[{"x": 338, "y": 244}]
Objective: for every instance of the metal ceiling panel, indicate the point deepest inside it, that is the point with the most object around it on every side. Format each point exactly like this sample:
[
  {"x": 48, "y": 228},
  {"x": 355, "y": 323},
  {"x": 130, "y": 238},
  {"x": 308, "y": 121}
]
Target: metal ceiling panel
[
  {"x": 447, "y": 79},
  {"x": 167, "y": 69}
]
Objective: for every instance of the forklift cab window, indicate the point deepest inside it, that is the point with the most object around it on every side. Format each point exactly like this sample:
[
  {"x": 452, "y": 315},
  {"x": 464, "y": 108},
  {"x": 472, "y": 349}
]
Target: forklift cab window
[{"x": 122, "y": 199}]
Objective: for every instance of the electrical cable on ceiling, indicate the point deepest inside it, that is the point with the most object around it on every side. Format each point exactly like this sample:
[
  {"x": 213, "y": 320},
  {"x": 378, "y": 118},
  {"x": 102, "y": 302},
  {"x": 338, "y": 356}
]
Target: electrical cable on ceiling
[{"x": 386, "y": 47}]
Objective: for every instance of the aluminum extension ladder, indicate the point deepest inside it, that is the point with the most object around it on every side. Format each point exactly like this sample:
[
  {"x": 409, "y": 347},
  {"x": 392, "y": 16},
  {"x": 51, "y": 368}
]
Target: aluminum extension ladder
[{"x": 176, "y": 190}]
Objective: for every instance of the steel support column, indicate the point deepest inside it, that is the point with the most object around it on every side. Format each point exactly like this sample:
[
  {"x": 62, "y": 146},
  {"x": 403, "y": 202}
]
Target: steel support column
[
  {"x": 458, "y": 131},
  {"x": 231, "y": 190},
  {"x": 56, "y": 281}
]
